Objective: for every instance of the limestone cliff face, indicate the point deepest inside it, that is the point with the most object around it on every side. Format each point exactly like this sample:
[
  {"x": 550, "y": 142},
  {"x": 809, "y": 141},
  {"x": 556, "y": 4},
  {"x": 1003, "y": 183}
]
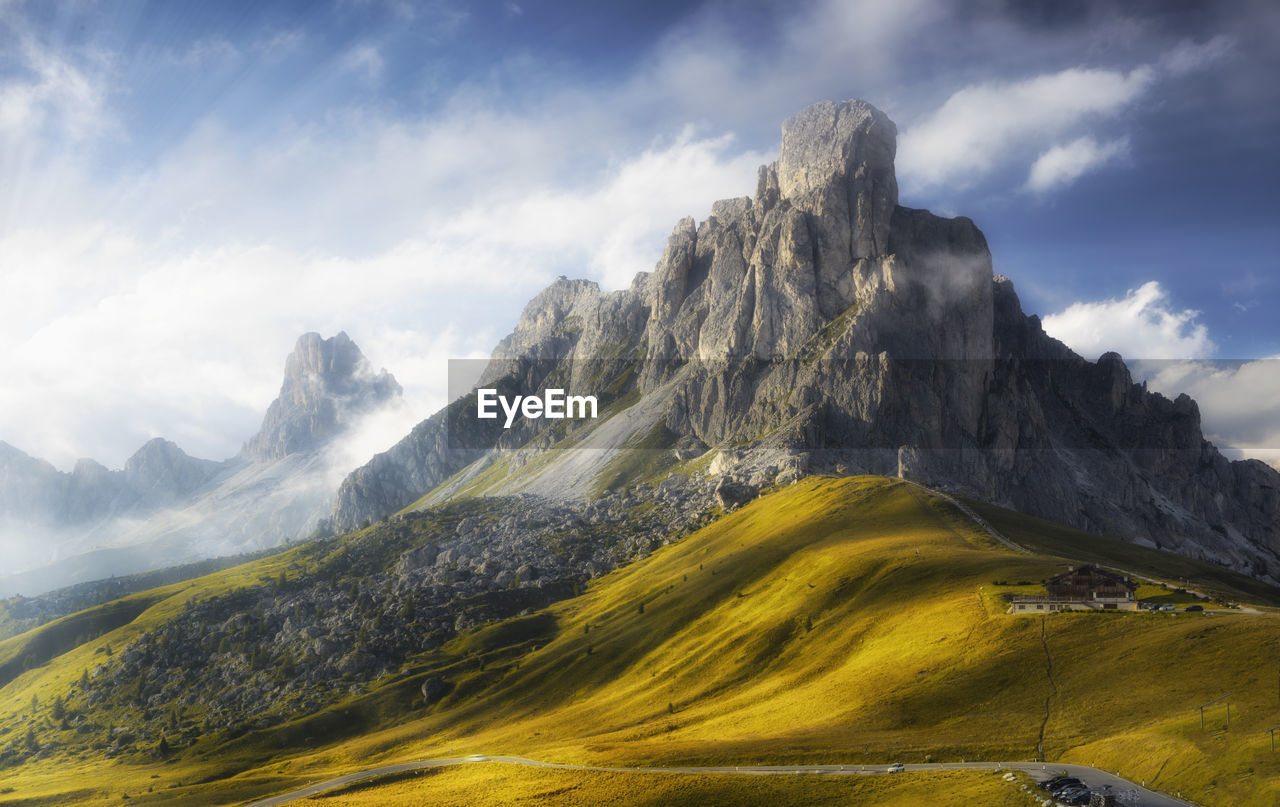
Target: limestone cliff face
[{"x": 823, "y": 320}]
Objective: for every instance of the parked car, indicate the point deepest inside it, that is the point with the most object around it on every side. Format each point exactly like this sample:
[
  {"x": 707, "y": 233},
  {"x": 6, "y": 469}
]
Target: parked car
[
  {"x": 896, "y": 767},
  {"x": 1168, "y": 607},
  {"x": 1078, "y": 796},
  {"x": 1058, "y": 782},
  {"x": 1194, "y": 608}
]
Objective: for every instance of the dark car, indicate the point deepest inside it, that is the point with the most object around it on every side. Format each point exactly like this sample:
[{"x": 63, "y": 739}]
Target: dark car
[
  {"x": 1062, "y": 780},
  {"x": 1074, "y": 795},
  {"x": 1194, "y": 608}
]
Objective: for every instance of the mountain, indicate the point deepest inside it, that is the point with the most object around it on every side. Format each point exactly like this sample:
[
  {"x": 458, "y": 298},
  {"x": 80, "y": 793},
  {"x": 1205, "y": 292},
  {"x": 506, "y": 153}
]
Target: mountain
[
  {"x": 155, "y": 475},
  {"x": 327, "y": 384},
  {"x": 821, "y": 326},
  {"x": 676, "y": 581},
  {"x": 165, "y": 507}
]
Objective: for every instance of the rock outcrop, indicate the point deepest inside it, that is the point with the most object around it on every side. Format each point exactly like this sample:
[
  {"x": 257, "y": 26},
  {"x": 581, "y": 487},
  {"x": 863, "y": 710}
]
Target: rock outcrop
[
  {"x": 822, "y": 321},
  {"x": 327, "y": 383}
]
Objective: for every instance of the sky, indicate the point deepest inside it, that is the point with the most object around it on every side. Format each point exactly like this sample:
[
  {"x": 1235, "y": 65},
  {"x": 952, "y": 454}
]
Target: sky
[{"x": 185, "y": 188}]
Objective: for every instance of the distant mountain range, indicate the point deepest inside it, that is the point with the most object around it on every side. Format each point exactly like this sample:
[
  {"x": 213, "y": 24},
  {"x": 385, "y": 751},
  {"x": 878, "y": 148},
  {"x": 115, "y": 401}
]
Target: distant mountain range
[
  {"x": 165, "y": 507},
  {"x": 816, "y": 327},
  {"x": 821, "y": 326}
]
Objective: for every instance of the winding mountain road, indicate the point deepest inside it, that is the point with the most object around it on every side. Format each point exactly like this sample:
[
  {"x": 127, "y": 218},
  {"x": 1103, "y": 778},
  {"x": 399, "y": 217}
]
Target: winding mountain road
[{"x": 1138, "y": 796}]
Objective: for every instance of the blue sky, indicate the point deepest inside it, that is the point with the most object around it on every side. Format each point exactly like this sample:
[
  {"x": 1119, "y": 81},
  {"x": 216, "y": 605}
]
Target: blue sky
[{"x": 186, "y": 187}]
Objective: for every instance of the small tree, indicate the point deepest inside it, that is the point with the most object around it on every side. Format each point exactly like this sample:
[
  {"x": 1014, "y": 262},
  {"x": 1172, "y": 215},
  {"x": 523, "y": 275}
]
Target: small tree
[
  {"x": 32, "y": 743},
  {"x": 164, "y": 748}
]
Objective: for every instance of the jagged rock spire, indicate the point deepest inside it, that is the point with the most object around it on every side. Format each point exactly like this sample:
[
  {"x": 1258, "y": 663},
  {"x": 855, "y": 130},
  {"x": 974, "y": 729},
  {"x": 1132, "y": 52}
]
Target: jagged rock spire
[{"x": 326, "y": 382}]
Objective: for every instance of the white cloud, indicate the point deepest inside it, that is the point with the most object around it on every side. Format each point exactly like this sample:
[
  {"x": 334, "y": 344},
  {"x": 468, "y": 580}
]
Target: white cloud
[
  {"x": 1188, "y": 56},
  {"x": 1062, "y": 165},
  {"x": 980, "y": 127},
  {"x": 213, "y": 53},
  {"x": 1140, "y": 325},
  {"x": 191, "y": 346},
  {"x": 989, "y": 125},
  {"x": 280, "y": 44},
  {"x": 364, "y": 58},
  {"x": 51, "y": 92},
  {"x": 614, "y": 229}
]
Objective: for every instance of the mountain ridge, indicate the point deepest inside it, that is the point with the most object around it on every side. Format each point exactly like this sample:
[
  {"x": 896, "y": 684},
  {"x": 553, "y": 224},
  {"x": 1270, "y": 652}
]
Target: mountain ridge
[
  {"x": 821, "y": 326},
  {"x": 165, "y": 507}
]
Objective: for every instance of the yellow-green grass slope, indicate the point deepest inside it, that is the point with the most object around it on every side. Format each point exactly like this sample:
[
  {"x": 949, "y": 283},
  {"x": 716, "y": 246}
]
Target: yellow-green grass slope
[
  {"x": 837, "y": 620},
  {"x": 44, "y": 664}
]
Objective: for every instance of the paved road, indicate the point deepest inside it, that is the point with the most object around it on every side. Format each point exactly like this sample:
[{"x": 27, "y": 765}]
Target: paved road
[{"x": 1091, "y": 776}]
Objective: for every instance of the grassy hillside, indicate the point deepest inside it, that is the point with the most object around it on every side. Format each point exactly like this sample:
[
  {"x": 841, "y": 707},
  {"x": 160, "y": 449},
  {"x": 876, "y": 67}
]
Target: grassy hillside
[{"x": 837, "y": 620}]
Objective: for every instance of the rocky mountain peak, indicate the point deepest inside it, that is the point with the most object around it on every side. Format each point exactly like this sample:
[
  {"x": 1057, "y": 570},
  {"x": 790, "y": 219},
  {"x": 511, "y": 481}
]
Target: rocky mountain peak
[
  {"x": 326, "y": 383},
  {"x": 836, "y": 161},
  {"x": 823, "y": 237},
  {"x": 161, "y": 469}
]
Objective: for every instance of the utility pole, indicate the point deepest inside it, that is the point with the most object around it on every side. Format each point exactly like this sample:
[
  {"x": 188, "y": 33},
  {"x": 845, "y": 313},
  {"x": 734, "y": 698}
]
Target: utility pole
[
  {"x": 1272, "y": 732},
  {"x": 1212, "y": 702}
]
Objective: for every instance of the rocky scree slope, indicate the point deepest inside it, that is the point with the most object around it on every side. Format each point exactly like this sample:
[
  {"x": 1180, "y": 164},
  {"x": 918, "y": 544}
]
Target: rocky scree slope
[{"x": 820, "y": 325}]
